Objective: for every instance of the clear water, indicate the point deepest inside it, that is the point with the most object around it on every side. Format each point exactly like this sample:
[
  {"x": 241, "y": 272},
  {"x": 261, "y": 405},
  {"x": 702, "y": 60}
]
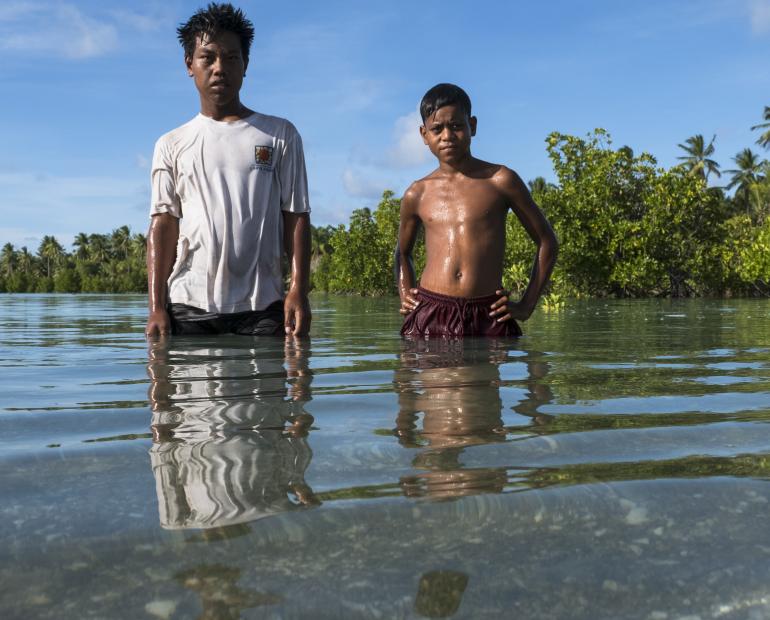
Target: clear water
[{"x": 613, "y": 463}]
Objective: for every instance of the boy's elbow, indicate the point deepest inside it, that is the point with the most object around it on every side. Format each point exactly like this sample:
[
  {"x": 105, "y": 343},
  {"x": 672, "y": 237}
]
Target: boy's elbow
[
  {"x": 402, "y": 257},
  {"x": 550, "y": 246}
]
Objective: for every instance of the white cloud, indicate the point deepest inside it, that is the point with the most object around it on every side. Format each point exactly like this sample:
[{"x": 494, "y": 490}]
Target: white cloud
[
  {"x": 61, "y": 29},
  {"x": 409, "y": 149},
  {"x": 759, "y": 15},
  {"x": 356, "y": 184},
  {"x": 142, "y": 162}
]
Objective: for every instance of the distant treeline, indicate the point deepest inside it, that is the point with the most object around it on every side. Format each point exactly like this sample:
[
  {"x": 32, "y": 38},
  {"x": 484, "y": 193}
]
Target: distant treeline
[
  {"x": 113, "y": 263},
  {"x": 627, "y": 228}
]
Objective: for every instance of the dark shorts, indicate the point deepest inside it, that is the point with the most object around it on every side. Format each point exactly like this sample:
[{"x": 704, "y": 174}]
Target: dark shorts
[
  {"x": 188, "y": 320},
  {"x": 455, "y": 317}
]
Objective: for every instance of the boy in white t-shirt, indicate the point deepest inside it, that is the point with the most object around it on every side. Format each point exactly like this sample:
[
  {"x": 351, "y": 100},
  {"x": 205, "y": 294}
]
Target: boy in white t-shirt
[{"x": 229, "y": 198}]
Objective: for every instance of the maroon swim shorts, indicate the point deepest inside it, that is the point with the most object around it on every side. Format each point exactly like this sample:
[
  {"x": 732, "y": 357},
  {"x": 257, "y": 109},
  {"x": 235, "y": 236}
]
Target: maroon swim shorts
[{"x": 455, "y": 317}]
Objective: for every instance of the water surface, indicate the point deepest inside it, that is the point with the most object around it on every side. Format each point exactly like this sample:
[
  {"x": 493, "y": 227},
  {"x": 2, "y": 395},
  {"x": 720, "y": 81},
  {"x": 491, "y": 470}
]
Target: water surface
[{"x": 613, "y": 463}]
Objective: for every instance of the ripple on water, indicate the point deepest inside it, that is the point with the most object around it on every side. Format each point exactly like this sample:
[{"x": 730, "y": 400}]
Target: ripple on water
[{"x": 611, "y": 463}]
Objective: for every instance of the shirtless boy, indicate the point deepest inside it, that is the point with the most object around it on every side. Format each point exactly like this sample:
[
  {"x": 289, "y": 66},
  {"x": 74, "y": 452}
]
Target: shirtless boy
[
  {"x": 229, "y": 199},
  {"x": 463, "y": 205}
]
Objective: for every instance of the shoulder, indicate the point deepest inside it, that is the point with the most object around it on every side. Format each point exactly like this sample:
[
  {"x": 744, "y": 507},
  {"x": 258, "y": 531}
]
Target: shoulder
[
  {"x": 169, "y": 140},
  {"x": 509, "y": 182},
  {"x": 505, "y": 177},
  {"x": 413, "y": 194},
  {"x": 276, "y": 126}
]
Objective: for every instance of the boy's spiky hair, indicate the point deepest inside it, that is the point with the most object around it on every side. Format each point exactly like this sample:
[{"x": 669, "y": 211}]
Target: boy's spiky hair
[
  {"x": 216, "y": 18},
  {"x": 441, "y": 95}
]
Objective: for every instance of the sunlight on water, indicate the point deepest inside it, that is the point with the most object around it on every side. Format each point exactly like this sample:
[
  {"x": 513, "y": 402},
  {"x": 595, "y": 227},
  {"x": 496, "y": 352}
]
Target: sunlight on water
[{"x": 612, "y": 463}]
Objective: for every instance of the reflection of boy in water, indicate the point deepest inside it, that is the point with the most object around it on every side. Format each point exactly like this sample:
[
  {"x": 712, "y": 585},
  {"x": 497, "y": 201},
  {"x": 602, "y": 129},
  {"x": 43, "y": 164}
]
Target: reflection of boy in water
[
  {"x": 456, "y": 386},
  {"x": 228, "y": 446}
]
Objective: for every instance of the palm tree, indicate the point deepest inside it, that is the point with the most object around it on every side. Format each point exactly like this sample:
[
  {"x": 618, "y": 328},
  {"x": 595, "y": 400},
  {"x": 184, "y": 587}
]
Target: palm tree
[
  {"x": 51, "y": 251},
  {"x": 139, "y": 243},
  {"x": 764, "y": 138},
  {"x": 99, "y": 248},
  {"x": 120, "y": 240},
  {"x": 8, "y": 259},
  {"x": 81, "y": 246},
  {"x": 746, "y": 176},
  {"x": 138, "y": 249},
  {"x": 25, "y": 260},
  {"x": 539, "y": 185},
  {"x": 697, "y": 158}
]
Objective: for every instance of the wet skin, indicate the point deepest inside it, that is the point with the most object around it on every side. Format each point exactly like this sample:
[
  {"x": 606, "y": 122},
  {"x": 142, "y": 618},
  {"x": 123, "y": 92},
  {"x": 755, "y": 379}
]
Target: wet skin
[
  {"x": 463, "y": 205},
  {"x": 218, "y": 67}
]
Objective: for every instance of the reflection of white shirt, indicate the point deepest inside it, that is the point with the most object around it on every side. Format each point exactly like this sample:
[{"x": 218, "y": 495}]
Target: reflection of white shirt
[
  {"x": 207, "y": 482},
  {"x": 223, "y": 392},
  {"x": 229, "y": 182}
]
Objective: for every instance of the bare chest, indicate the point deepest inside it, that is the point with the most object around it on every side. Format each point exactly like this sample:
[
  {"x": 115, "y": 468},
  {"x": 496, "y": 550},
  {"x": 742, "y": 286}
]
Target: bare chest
[{"x": 475, "y": 206}]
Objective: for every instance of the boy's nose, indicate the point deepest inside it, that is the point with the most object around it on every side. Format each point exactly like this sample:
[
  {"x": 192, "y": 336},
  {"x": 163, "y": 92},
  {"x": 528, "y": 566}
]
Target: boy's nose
[{"x": 218, "y": 65}]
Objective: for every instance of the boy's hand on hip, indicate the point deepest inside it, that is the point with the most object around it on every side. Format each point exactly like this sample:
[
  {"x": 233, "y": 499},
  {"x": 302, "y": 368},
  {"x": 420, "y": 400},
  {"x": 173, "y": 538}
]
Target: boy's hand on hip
[
  {"x": 505, "y": 310},
  {"x": 408, "y": 302},
  {"x": 296, "y": 314}
]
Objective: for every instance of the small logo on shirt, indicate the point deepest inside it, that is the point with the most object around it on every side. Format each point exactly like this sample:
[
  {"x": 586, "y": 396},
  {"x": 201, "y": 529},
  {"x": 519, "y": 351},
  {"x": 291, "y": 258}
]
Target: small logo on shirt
[{"x": 263, "y": 157}]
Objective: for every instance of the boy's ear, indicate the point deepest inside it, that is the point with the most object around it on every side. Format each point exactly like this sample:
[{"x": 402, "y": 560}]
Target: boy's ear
[
  {"x": 423, "y": 133},
  {"x": 188, "y": 64},
  {"x": 472, "y": 121}
]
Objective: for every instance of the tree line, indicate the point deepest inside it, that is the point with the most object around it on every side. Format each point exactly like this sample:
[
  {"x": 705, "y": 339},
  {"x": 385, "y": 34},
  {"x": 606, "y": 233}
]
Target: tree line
[
  {"x": 111, "y": 263},
  {"x": 627, "y": 228}
]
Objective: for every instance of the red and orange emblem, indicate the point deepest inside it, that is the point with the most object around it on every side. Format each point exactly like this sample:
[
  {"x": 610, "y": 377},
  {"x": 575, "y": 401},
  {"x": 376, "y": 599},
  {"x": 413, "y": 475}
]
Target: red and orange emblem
[{"x": 263, "y": 155}]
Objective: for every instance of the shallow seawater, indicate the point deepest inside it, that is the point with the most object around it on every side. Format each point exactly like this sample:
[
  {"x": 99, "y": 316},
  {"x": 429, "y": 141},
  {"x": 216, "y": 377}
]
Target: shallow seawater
[{"x": 612, "y": 463}]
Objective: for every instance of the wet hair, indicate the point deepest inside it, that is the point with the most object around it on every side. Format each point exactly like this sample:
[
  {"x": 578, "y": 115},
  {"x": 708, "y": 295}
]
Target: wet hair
[
  {"x": 214, "y": 19},
  {"x": 442, "y": 95}
]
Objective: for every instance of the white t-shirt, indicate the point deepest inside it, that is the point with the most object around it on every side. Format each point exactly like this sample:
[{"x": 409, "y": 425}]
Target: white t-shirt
[{"x": 228, "y": 183}]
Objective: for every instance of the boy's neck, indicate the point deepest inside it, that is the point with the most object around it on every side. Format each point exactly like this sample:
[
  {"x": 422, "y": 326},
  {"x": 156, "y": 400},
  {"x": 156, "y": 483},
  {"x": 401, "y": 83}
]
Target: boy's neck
[
  {"x": 461, "y": 166},
  {"x": 233, "y": 111}
]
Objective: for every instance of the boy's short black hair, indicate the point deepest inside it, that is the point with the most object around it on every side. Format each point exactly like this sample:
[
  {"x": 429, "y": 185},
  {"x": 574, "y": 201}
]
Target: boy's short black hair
[
  {"x": 441, "y": 95},
  {"x": 216, "y": 18}
]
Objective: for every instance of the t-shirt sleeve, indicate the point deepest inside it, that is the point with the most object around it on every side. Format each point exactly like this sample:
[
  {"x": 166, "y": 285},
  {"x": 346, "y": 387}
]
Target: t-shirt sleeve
[
  {"x": 164, "y": 197},
  {"x": 293, "y": 176}
]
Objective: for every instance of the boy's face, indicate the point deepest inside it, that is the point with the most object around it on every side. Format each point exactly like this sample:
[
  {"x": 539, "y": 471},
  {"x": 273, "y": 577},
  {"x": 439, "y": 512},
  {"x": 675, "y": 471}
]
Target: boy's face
[
  {"x": 448, "y": 133},
  {"x": 218, "y": 67}
]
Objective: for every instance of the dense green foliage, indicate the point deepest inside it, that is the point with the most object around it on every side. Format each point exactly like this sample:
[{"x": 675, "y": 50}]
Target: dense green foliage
[
  {"x": 113, "y": 263},
  {"x": 627, "y": 228},
  {"x": 359, "y": 258}
]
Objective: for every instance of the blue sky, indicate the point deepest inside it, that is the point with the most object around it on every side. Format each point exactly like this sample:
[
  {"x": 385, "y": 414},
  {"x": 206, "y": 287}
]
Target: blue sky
[{"x": 88, "y": 86}]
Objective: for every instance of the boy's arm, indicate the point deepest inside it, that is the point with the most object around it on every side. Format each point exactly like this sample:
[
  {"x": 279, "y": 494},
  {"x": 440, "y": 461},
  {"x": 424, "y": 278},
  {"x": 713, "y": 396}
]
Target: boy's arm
[
  {"x": 538, "y": 228},
  {"x": 408, "y": 227},
  {"x": 161, "y": 254},
  {"x": 296, "y": 243}
]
